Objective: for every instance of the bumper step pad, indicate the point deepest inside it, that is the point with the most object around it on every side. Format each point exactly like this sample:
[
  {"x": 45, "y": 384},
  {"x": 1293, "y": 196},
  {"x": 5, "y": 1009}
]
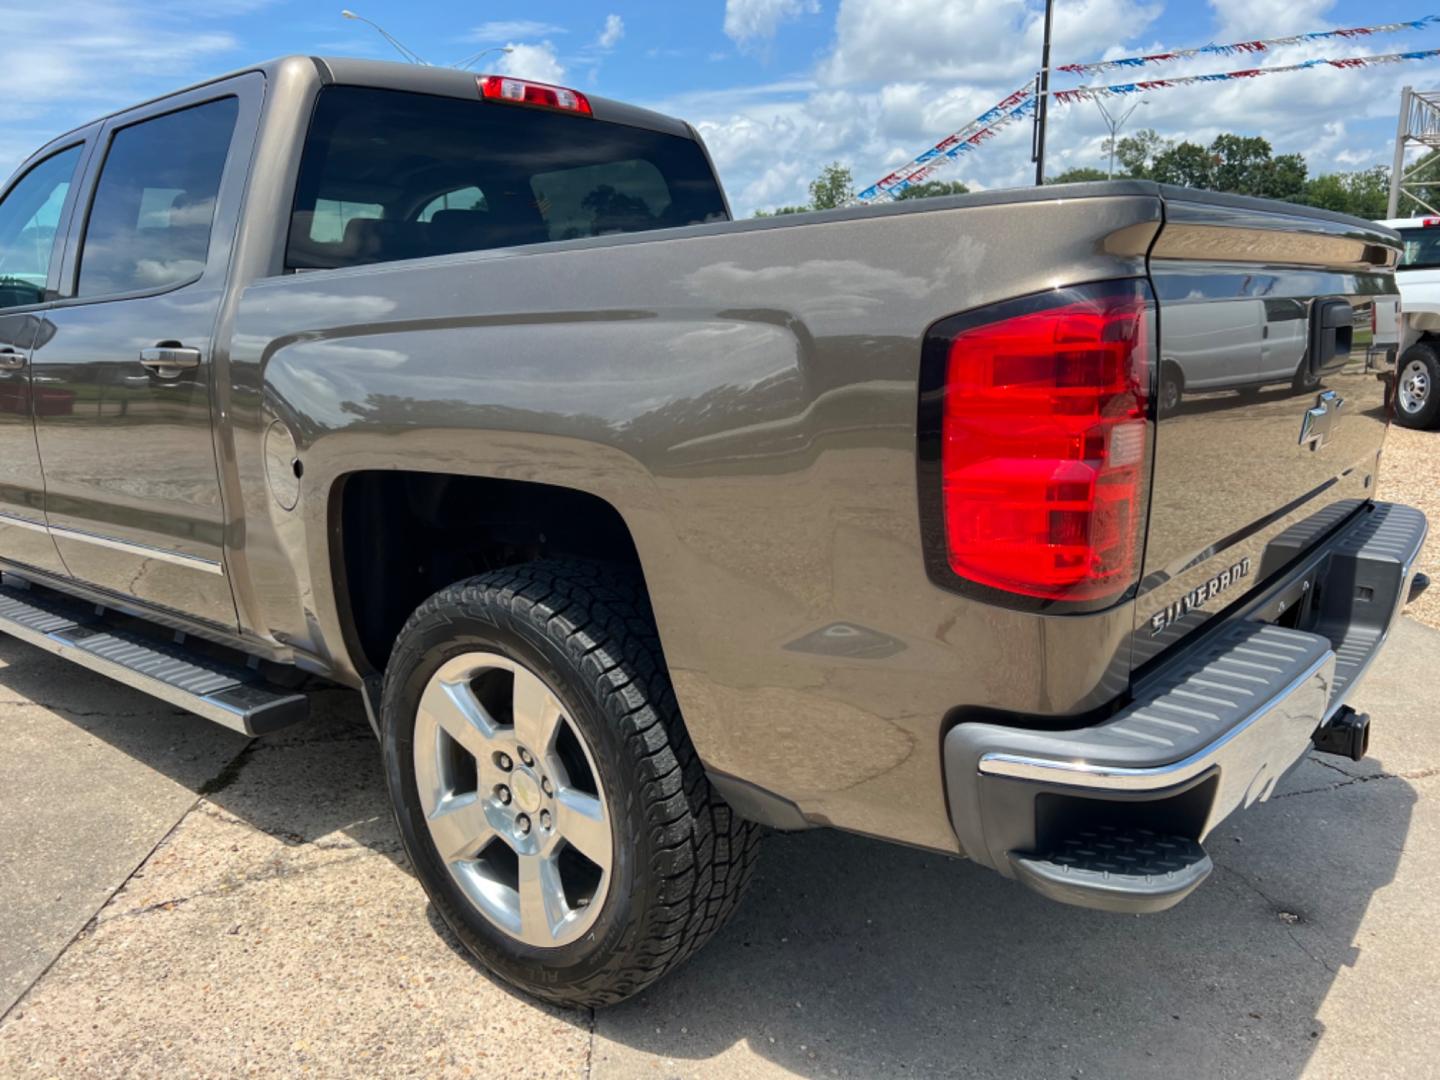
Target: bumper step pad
[
  {"x": 234, "y": 695},
  {"x": 1126, "y": 870}
]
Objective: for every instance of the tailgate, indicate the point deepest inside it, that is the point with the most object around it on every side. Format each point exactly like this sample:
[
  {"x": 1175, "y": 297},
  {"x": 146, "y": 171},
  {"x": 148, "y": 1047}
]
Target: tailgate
[{"x": 1266, "y": 419}]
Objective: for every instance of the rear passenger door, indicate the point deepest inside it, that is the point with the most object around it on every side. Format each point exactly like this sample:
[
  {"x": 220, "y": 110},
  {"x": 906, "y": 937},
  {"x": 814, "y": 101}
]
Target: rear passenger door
[
  {"x": 34, "y": 213},
  {"x": 132, "y": 491}
]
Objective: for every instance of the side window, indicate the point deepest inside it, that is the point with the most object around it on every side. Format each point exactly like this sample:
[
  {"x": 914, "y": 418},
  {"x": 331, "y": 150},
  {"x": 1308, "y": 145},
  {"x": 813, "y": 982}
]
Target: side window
[
  {"x": 154, "y": 206},
  {"x": 29, "y": 222}
]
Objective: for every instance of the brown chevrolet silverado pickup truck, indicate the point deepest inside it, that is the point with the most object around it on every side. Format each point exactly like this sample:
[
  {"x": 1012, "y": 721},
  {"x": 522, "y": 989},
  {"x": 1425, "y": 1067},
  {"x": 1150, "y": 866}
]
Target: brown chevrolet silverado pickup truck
[{"x": 1035, "y": 527}]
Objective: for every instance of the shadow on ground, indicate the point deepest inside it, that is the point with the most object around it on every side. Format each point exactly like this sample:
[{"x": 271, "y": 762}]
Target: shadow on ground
[
  {"x": 857, "y": 958},
  {"x": 316, "y": 779}
]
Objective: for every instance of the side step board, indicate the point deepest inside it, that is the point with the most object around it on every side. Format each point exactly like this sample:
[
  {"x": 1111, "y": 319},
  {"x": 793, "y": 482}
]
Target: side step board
[{"x": 233, "y": 695}]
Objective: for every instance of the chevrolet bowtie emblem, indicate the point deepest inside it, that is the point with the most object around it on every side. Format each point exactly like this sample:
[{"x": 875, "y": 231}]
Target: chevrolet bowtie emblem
[{"x": 1320, "y": 421}]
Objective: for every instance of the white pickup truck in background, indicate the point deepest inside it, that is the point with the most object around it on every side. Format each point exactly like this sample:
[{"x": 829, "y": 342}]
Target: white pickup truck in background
[{"x": 1417, "y": 404}]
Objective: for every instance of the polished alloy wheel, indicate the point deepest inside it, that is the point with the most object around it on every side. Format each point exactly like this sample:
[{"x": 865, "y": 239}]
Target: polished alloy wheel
[
  {"x": 512, "y": 799},
  {"x": 1413, "y": 386}
]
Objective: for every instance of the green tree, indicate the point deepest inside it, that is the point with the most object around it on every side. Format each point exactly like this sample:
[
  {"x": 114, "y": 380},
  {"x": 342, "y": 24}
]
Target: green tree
[
  {"x": 1239, "y": 163},
  {"x": 1080, "y": 175},
  {"x": 1137, "y": 152},
  {"x": 833, "y": 187},
  {"x": 1187, "y": 164},
  {"x": 1369, "y": 192},
  {"x": 931, "y": 188},
  {"x": 1286, "y": 178},
  {"x": 1365, "y": 194}
]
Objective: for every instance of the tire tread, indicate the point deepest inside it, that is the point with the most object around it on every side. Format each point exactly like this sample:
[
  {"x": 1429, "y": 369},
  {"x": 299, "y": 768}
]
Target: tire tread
[{"x": 703, "y": 854}]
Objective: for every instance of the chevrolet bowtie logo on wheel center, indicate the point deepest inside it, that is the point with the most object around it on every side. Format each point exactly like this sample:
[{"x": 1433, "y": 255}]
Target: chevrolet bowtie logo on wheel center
[{"x": 1320, "y": 421}]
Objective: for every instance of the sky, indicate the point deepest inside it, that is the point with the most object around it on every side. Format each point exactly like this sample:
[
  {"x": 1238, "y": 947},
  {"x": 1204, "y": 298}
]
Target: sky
[{"x": 778, "y": 88}]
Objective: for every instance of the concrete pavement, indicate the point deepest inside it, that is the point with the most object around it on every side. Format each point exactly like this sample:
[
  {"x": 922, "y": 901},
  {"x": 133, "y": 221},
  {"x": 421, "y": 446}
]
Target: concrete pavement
[{"x": 269, "y": 926}]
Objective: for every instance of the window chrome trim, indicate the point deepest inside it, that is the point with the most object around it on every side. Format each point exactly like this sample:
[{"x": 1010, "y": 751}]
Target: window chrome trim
[
  {"x": 24, "y": 523},
  {"x": 144, "y": 551}
]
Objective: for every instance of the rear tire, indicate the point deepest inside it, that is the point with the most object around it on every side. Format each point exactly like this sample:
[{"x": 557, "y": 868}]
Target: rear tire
[
  {"x": 1305, "y": 380},
  {"x": 679, "y": 858},
  {"x": 1172, "y": 389},
  {"x": 1417, "y": 387}
]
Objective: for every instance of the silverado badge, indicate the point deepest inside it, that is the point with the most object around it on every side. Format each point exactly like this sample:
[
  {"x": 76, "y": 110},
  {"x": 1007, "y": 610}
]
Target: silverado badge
[{"x": 1198, "y": 597}]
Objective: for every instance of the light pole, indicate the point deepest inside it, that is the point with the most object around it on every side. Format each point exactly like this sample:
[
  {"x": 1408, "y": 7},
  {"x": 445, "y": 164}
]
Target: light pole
[
  {"x": 1043, "y": 98},
  {"x": 404, "y": 50},
  {"x": 1115, "y": 126},
  {"x": 463, "y": 64}
]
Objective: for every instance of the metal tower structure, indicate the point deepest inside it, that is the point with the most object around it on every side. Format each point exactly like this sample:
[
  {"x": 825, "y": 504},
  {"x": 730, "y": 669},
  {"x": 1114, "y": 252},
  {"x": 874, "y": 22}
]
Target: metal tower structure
[{"x": 1419, "y": 126}]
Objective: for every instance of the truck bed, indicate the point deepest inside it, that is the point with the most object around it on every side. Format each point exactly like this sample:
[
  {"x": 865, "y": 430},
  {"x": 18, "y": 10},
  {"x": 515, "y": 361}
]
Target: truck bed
[{"x": 744, "y": 395}]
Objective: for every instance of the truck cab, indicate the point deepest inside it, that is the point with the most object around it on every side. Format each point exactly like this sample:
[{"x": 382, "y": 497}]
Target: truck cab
[{"x": 1417, "y": 399}]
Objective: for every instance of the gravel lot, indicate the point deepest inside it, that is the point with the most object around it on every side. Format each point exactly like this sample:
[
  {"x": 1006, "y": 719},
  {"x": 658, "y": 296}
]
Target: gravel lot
[{"x": 1410, "y": 473}]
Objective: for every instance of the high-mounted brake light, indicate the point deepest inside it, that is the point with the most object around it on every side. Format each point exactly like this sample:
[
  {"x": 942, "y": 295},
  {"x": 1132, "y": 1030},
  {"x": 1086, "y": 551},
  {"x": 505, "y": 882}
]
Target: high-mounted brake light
[
  {"x": 1429, "y": 222},
  {"x": 525, "y": 92},
  {"x": 1043, "y": 442}
]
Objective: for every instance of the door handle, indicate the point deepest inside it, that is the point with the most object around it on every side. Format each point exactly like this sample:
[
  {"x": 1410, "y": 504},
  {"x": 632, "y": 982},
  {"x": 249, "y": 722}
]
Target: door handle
[
  {"x": 168, "y": 361},
  {"x": 11, "y": 359}
]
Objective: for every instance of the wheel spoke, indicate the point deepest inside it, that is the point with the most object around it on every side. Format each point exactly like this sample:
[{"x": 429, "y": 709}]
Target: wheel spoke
[
  {"x": 542, "y": 899},
  {"x": 536, "y": 712},
  {"x": 460, "y": 828},
  {"x": 581, "y": 820},
  {"x": 455, "y": 708}
]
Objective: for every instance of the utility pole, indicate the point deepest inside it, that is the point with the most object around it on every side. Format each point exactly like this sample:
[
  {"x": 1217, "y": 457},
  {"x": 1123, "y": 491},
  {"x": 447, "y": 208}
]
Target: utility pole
[{"x": 1042, "y": 98}]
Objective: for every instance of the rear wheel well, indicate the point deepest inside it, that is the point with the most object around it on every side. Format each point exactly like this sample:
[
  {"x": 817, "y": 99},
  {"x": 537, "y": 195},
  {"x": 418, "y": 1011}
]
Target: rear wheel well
[{"x": 403, "y": 536}]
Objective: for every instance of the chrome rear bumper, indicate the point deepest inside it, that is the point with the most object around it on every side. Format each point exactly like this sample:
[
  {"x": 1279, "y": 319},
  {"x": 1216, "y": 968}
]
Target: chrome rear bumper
[{"x": 1211, "y": 732}]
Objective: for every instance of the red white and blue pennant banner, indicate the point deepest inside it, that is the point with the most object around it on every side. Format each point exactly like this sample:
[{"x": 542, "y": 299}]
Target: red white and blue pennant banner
[
  {"x": 1087, "y": 93},
  {"x": 1023, "y": 100},
  {"x": 1261, "y": 46}
]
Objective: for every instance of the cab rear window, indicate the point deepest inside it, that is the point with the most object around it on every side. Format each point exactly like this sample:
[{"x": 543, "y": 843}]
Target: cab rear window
[
  {"x": 390, "y": 175},
  {"x": 1422, "y": 249}
]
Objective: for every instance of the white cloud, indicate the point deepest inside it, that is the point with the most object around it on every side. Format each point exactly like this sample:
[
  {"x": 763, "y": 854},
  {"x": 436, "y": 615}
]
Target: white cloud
[
  {"x": 69, "y": 63},
  {"x": 901, "y": 74},
  {"x": 748, "y": 21},
  {"x": 505, "y": 30},
  {"x": 973, "y": 40},
  {"x": 536, "y": 61},
  {"x": 613, "y": 32},
  {"x": 1242, "y": 19}
]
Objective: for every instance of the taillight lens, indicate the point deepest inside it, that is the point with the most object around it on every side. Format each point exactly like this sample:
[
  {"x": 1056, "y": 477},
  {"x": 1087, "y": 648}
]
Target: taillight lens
[
  {"x": 526, "y": 92},
  {"x": 1044, "y": 442}
]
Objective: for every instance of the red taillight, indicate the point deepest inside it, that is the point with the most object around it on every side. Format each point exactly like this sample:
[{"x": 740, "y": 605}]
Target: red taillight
[
  {"x": 525, "y": 92},
  {"x": 1044, "y": 445}
]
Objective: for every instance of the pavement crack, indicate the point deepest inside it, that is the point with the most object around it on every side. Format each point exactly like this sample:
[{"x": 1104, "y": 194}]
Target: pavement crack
[
  {"x": 109, "y": 714},
  {"x": 159, "y": 905},
  {"x": 274, "y": 872},
  {"x": 1414, "y": 774},
  {"x": 229, "y": 774},
  {"x": 1283, "y": 911},
  {"x": 590, "y": 1046},
  {"x": 94, "y": 919},
  {"x": 294, "y": 839},
  {"x": 1310, "y": 952}
]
